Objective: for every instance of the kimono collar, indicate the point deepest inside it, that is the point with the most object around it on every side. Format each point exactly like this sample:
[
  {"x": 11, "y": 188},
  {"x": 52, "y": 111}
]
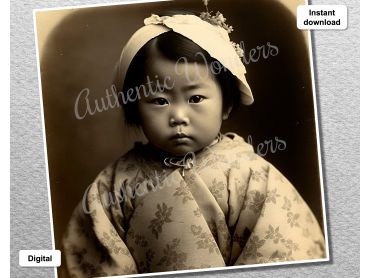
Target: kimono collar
[{"x": 187, "y": 161}]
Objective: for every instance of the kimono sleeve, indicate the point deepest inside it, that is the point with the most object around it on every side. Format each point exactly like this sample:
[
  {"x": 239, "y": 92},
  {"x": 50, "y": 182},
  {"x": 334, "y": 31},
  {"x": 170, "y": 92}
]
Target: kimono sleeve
[
  {"x": 94, "y": 239},
  {"x": 285, "y": 228}
]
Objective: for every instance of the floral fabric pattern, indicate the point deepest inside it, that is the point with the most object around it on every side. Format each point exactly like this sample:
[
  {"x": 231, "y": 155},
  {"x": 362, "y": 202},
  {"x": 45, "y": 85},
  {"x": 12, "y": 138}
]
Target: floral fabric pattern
[
  {"x": 173, "y": 259},
  {"x": 231, "y": 208},
  {"x": 162, "y": 215}
]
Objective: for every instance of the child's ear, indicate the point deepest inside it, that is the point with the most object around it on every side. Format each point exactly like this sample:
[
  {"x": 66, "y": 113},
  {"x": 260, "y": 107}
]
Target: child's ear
[{"x": 226, "y": 114}]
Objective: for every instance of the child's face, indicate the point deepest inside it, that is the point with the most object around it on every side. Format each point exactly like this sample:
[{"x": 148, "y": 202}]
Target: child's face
[{"x": 187, "y": 115}]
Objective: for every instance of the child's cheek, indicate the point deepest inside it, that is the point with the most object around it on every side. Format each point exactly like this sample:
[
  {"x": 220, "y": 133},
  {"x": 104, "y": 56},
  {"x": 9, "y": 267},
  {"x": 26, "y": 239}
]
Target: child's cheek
[
  {"x": 154, "y": 116},
  {"x": 210, "y": 109}
]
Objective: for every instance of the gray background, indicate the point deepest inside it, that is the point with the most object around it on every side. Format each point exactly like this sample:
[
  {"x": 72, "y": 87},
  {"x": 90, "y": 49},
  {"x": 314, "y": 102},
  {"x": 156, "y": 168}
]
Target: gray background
[{"x": 336, "y": 60}]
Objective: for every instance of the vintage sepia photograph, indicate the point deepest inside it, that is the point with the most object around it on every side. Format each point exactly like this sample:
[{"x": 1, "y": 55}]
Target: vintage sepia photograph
[{"x": 180, "y": 136}]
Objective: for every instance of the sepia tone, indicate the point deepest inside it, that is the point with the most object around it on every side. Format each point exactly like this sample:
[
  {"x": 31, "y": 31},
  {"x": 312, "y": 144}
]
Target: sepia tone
[{"x": 81, "y": 52}]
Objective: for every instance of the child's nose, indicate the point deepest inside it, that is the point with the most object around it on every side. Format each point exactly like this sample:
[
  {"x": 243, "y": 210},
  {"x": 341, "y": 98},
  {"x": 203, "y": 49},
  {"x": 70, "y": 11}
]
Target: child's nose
[{"x": 179, "y": 117}]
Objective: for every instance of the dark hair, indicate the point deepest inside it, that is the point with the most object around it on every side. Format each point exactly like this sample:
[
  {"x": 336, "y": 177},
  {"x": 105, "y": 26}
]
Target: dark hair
[{"x": 174, "y": 46}]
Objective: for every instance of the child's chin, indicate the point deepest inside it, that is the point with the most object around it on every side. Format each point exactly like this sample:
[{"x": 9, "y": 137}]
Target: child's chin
[{"x": 181, "y": 150}]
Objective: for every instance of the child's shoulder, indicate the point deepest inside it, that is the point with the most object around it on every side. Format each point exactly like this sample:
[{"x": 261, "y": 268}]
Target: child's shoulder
[
  {"x": 125, "y": 167},
  {"x": 234, "y": 147},
  {"x": 233, "y": 143},
  {"x": 235, "y": 138},
  {"x": 241, "y": 156}
]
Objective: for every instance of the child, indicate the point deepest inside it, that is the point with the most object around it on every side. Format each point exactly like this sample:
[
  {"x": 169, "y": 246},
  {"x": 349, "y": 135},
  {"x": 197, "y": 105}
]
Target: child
[{"x": 192, "y": 197}]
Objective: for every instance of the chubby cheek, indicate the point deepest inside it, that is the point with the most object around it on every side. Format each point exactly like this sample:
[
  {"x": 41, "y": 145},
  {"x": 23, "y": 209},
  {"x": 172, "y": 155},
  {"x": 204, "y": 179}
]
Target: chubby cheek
[
  {"x": 210, "y": 114},
  {"x": 210, "y": 126},
  {"x": 152, "y": 122}
]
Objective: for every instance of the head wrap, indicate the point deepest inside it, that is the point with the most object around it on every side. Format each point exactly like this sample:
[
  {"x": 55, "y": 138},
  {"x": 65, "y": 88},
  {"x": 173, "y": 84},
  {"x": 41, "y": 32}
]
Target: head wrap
[{"x": 212, "y": 38}]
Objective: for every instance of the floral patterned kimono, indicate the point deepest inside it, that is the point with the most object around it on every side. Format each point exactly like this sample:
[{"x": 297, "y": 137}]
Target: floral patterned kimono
[{"x": 230, "y": 208}]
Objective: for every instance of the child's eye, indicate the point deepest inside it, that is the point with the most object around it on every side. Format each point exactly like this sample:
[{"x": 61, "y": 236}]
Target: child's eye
[
  {"x": 196, "y": 99},
  {"x": 159, "y": 101}
]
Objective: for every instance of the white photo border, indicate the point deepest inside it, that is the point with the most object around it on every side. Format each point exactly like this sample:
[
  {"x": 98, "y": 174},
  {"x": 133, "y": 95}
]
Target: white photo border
[{"x": 314, "y": 94}]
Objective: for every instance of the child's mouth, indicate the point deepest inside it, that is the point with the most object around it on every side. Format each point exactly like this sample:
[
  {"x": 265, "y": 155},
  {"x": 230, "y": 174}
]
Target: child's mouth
[
  {"x": 180, "y": 135},
  {"x": 180, "y": 138}
]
